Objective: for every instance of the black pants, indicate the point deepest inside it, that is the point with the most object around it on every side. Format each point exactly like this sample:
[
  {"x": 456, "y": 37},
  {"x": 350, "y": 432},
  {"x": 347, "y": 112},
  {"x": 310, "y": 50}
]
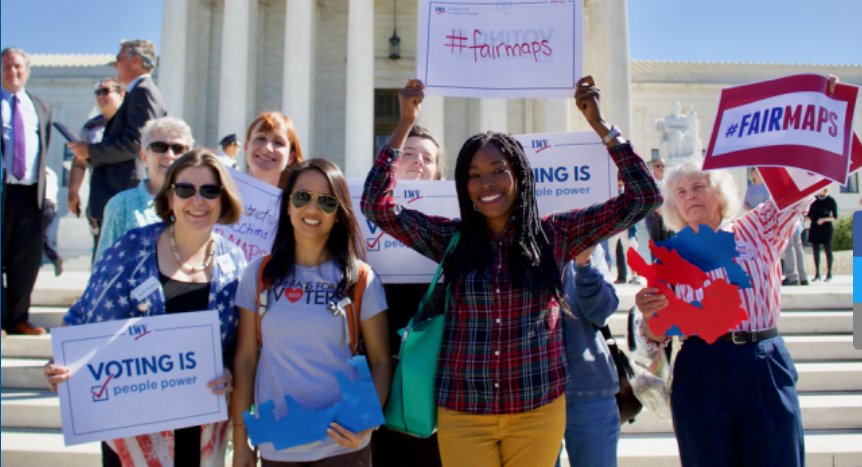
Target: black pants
[
  {"x": 393, "y": 449},
  {"x": 828, "y": 248},
  {"x": 622, "y": 269},
  {"x": 49, "y": 213},
  {"x": 96, "y": 230},
  {"x": 21, "y": 251}
]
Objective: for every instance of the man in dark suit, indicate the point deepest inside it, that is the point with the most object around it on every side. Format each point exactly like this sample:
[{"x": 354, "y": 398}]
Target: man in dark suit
[
  {"x": 115, "y": 161},
  {"x": 26, "y": 135}
]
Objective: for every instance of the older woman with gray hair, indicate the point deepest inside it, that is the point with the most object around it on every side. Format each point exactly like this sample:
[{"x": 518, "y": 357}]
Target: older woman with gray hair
[
  {"x": 734, "y": 401},
  {"x": 163, "y": 140}
]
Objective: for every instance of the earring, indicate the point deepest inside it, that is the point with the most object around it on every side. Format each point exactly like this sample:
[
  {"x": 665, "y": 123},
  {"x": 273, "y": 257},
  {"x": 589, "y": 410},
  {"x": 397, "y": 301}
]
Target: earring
[
  {"x": 475, "y": 208},
  {"x": 173, "y": 218}
]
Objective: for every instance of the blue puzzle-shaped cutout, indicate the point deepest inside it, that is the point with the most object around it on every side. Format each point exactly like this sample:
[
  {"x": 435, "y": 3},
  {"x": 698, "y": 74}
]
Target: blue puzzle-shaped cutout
[
  {"x": 709, "y": 250},
  {"x": 358, "y": 410}
]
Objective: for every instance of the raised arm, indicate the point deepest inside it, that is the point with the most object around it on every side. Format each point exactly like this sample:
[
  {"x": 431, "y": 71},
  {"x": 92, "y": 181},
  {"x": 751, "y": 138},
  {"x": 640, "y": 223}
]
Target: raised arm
[
  {"x": 574, "y": 231},
  {"x": 429, "y": 235},
  {"x": 592, "y": 286}
]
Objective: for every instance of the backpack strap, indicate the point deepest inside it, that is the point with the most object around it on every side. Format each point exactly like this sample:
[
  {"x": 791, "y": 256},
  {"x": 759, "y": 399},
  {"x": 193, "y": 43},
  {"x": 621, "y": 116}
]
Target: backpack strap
[
  {"x": 354, "y": 309},
  {"x": 262, "y": 296}
]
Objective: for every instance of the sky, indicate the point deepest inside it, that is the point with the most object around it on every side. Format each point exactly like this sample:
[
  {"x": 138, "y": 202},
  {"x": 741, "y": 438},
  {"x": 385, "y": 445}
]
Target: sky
[{"x": 764, "y": 31}]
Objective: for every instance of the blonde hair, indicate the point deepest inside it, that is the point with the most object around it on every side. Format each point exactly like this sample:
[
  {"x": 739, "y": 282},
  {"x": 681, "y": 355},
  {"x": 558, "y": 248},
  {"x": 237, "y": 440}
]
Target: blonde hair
[{"x": 719, "y": 180}]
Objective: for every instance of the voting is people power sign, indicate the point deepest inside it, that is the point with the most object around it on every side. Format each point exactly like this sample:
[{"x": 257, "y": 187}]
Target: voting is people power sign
[{"x": 786, "y": 122}]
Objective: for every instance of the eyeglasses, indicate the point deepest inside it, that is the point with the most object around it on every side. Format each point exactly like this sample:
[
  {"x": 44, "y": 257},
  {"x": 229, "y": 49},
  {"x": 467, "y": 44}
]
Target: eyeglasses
[
  {"x": 121, "y": 55},
  {"x": 326, "y": 203},
  {"x": 161, "y": 148},
  {"x": 104, "y": 91},
  {"x": 187, "y": 190},
  {"x": 659, "y": 166}
]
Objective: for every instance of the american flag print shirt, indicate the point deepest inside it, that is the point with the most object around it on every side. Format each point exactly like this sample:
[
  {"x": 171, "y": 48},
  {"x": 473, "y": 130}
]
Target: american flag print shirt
[
  {"x": 502, "y": 350},
  {"x": 761, "y": 236}
]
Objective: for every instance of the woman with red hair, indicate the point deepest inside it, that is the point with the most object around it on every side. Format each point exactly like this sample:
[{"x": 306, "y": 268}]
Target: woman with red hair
[{"x": 271, "y": 146}]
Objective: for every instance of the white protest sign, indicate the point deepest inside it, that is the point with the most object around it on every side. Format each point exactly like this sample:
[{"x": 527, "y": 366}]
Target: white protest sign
[
  {"x": 139, "y": 376},
  {"x": 255, "y": 231},
  {"x": 572, "y": 170},
  {"x": 793, "y": 122},
  {"x": 484, "y": 48}
]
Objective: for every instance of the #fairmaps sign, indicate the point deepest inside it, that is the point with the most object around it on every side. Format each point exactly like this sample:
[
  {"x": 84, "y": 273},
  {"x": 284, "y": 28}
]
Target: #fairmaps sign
[
  {"x": 483, "y": 48},
  {"x": 255, "y": 230},
  {"x": 138, "y": 376}
]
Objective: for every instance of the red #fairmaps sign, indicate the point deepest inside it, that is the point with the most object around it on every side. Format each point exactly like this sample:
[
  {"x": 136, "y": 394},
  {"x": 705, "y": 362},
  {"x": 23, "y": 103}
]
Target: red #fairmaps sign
[
  {"x": 786, "y": 122},
  {"x": 787, "y": 186}
]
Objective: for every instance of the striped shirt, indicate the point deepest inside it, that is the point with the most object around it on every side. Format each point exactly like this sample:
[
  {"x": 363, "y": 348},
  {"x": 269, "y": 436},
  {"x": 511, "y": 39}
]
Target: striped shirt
[
  {"x": 761, "y": 237},
  {"x": 502, "y": 350}
]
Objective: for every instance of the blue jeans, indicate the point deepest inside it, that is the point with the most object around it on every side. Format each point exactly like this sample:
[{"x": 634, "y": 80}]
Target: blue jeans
[{"x": 592, "y": 431}]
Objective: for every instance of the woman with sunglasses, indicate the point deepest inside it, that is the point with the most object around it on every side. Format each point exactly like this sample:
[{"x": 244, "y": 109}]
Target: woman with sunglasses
[
  {"x": 179, "y": 254},
  {"x": 316, "y": 257},
  {"x": 271, "y": 146},
  {"x": 163, "y": 140},
  {"x": 501, "y": 374}
]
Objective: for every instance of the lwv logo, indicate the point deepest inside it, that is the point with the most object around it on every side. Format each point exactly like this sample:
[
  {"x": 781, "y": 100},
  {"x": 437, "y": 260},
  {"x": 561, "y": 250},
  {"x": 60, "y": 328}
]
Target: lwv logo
[{"x": 540, "y": 145}]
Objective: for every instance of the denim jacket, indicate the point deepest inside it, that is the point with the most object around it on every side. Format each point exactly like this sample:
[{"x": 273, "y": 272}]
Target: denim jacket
[{"x": 592, "y": 299}]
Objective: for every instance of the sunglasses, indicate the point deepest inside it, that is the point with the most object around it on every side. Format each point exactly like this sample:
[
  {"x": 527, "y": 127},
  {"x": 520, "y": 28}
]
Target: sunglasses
[
  {"x": 658, "y": 166},
  {"x": 161, "y": 148},
  {"x": 326, "y": 203},
  {"x": 187, "y": 190},
  {"x": 105, "y": 91}
]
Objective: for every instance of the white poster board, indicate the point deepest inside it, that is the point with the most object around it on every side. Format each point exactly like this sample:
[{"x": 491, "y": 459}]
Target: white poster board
[
  {"x": 484, "y": 48},
  {"x": 255, "y": 231},
  {"x": 573, "y": 170},
  {"x": 139, "y": 376}
]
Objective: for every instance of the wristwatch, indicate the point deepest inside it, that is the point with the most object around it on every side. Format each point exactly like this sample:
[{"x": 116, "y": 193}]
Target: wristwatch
[{"x": 612, "y": 135}]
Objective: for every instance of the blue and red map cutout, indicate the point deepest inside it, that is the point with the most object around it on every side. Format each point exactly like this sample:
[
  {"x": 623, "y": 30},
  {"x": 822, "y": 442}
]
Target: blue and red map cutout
[
  {"x": 685, "y": 260},
  {"x": 857, "y": 284}
]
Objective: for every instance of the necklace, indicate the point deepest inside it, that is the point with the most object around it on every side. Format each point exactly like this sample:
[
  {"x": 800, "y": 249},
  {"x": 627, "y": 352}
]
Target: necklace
[{"x": 183, "y": 265}]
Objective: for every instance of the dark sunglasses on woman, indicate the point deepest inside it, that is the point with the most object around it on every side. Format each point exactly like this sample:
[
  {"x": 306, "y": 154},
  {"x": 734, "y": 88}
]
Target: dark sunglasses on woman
[
  {"x": 326, "y": 203},
  {"x": 161, "y": 148},
  {"x": 187, "y": 190},
  {"x": 104, "y": 91}
]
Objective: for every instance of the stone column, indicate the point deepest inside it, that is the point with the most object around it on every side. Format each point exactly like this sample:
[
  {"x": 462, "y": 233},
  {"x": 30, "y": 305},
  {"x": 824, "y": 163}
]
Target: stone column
[
  {"x": 233, "y": 76},
  {"x": 606, "y": 57},
  {"x": 359, "y": 118},
  {"x": 488, "y": 115},
  {"x": 172, "y": 62},
  {"x": 298, "y": 94},
  {"x": 556, "y": 113}
]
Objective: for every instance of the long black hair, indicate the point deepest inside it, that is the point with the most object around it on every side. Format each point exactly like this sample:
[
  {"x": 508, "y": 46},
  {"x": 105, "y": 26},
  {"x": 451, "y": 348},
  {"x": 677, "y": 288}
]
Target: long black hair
[
  {"x": 534, "y": 251},
  {"x": 344, "y": 243}
]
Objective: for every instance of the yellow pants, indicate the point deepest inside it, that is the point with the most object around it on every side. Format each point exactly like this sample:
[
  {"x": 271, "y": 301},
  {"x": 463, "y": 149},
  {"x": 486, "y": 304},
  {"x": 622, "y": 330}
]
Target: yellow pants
[{"x": 530, "y": 439}]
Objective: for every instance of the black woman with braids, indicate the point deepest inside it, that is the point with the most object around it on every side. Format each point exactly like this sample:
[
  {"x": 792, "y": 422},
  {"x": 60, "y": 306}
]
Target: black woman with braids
[{"x": 501, "y": 375}]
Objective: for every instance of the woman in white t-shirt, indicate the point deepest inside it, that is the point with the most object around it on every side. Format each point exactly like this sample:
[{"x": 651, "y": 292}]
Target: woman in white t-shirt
[{"x": 315, "y": 261}]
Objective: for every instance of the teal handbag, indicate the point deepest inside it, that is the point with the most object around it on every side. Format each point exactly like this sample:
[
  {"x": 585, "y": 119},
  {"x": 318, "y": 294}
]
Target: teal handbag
[{"x": 412, "y": 406}]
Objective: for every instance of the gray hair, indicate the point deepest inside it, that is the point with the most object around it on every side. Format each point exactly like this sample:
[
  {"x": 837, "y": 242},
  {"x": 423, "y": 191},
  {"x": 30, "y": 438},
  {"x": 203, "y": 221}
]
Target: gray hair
[
  {"x": 167, "y": 124},
  {"x": 14, "y": 50},
  {"x": 144, "y": 49},
  {"x": 719, "y": 180}
]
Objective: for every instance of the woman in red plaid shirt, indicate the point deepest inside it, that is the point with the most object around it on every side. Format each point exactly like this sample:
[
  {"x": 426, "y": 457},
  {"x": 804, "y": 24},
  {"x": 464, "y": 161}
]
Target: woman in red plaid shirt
[{"x": 501, "y": 375}]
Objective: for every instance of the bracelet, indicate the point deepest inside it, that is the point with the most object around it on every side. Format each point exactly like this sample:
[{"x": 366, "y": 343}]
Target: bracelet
[{"x": 612, "y": 134}]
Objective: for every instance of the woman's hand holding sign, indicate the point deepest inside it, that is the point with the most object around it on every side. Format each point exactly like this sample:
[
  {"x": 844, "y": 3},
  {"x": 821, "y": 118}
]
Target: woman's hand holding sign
[
  {"x": 55, "y": 374},
  {"x": 222, "y": 384}
]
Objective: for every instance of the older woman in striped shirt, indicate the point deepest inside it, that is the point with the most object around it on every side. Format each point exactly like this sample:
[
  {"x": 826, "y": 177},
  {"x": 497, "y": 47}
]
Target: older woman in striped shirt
[{"x": 734, "y": 401}]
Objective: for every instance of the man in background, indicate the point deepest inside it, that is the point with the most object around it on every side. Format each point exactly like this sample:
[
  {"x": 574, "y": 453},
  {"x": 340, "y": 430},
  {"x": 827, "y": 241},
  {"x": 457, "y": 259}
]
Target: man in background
[
  {"x": 229, "y": 150},
  {"x": 26, "y": 135},
  {"x": 115, "y": 161},
  {"x": 109, "y": 96}
]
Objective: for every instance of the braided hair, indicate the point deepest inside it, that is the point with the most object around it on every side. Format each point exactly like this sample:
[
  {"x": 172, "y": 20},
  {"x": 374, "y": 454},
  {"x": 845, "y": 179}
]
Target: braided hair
[{"x": 534, "y": 251}]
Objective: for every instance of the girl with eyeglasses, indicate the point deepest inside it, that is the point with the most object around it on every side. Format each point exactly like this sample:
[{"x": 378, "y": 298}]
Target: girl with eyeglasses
[
  {"x": 163, "y": 140},
  {"x": 316, "y": 256},
  {"x": 501, "y": 374},
  {"x": 179, "y": 253}
]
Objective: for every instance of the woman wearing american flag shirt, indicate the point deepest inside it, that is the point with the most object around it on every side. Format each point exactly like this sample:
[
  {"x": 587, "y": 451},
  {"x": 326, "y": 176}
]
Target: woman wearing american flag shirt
[
  {"x": 195, "y": 269},
  {"x": 734, "y": 401},
  {"x": 502, "y": 374}
]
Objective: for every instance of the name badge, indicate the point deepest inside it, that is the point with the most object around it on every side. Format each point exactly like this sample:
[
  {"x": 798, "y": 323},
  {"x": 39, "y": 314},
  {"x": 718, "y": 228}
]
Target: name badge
[
  {"x": 144, "y": 290},
  {"x": 745, "y": 250},
  {"x": 226, "y": 263}
]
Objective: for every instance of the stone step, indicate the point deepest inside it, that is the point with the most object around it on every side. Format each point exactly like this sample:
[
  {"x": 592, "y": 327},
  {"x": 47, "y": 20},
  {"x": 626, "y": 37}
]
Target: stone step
[
  {"x": 22, "y": 373},
  {"x": 47, "y": 316},
  {"x": 28, "y": 447},
  {"x": 820, "y": 411},
  {"x": 60, "y": 291},
  {"x": 791, "y": 322}
]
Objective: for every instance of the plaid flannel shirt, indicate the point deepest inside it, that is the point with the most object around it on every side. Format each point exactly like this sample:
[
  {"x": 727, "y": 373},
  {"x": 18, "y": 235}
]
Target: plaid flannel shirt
[{"x": 502, "y": 350}]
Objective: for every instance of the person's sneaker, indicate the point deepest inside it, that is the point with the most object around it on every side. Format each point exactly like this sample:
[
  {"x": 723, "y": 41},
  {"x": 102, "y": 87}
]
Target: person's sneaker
[
  {"x": 803, "y": 283},
  {"x": 58, "y": 267},
  {"x": 789, "y": 282},
  {"x": 620, "y": 281},
  {"x": 816, "y": 278},
  {"x": 27, "y": 329},
  {"x": 828, "y": 278}
]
